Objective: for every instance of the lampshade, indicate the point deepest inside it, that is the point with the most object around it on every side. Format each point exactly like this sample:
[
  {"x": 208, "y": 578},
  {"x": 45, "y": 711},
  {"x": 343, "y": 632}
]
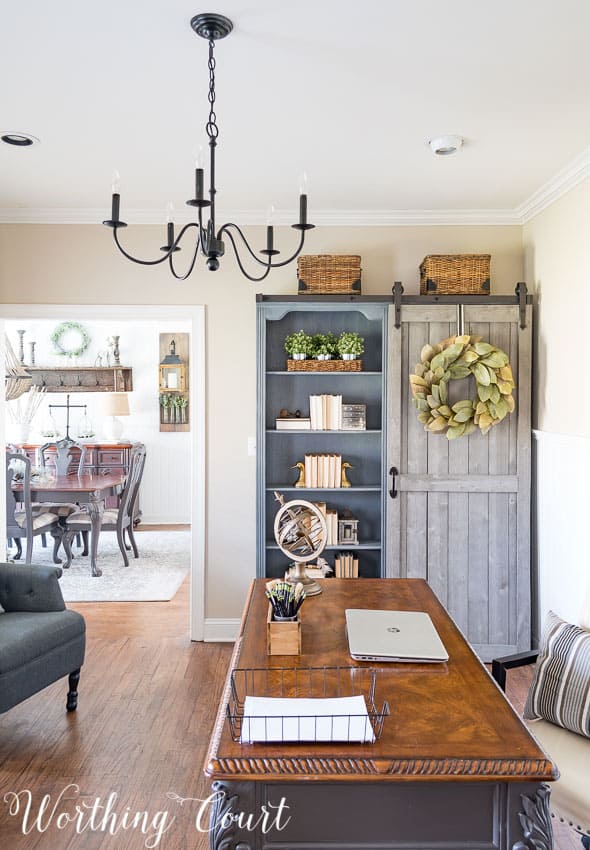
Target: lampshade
[{"x": 115, "y": 404}]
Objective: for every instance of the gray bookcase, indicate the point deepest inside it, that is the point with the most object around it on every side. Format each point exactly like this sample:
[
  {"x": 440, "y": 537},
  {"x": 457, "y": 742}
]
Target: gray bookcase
[{"x": 278, "y": 451}]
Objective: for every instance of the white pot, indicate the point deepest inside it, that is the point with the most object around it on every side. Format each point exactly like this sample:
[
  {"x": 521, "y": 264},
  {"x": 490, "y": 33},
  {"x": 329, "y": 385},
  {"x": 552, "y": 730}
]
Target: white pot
[
  {"x": 323, "y": 357},
  {"x": 299, "y": 356},
  {"x": 19, "y": 433},
  {"x": 349, "y": 356}
]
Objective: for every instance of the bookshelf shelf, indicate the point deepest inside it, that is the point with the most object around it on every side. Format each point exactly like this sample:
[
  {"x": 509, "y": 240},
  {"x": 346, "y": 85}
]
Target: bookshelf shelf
[
  {"x": 338, "y": 433},
  {"x": 279, "y": 450},
  {"x": 342, "y": 547}
]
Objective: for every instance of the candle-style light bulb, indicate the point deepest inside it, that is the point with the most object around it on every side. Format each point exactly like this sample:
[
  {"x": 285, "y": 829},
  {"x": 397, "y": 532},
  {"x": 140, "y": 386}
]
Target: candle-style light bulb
[
  {"x": 270, "y": 215},
  {"x": 169, "y": 212},
  {"x": 115, "y": 183},
  {"x": 303, "y": 183}
]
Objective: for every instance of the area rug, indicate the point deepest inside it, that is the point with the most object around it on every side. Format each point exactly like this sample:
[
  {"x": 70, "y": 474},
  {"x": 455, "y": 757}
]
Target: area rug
[{"x": 163, "y": 563}]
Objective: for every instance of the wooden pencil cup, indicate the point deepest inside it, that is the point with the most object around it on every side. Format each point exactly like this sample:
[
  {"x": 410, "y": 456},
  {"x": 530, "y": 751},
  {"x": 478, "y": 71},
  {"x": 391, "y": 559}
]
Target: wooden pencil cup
[{"x": 283, "y": 637}]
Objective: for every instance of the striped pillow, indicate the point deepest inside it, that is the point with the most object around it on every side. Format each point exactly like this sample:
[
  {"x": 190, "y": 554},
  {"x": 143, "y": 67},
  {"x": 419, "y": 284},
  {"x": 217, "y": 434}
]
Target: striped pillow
[{"x": 560, "y": 691}]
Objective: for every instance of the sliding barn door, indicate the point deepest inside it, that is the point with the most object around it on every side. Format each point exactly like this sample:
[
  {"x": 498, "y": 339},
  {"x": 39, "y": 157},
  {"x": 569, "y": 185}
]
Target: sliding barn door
[{"x": 461, "y": 516}]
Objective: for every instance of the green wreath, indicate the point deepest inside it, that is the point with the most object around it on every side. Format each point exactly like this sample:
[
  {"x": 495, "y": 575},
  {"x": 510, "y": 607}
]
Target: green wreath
[
  {"x": 452, "y": 359},
  {"x": 69, "y": 327}
]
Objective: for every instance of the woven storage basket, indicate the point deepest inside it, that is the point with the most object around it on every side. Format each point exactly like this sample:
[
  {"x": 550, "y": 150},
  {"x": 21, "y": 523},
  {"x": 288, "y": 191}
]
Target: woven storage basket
[
  {"x": 455, "y": 274},
  {"x": 324, "y": 365},
  {"x": 329, "y": 273}
]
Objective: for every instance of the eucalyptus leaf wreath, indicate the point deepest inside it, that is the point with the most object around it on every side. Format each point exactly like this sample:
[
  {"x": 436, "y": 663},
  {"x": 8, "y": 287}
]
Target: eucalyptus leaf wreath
[
  {"x": 452, "y": 359},
  {"x": 67, "y": 328}
]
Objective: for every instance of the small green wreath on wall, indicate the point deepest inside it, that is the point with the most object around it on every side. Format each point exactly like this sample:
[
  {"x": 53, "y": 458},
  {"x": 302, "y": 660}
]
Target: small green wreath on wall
[{"x": 70, "y": 338}]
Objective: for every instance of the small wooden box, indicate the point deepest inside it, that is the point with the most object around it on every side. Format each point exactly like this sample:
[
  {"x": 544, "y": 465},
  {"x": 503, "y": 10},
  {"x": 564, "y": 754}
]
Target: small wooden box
[{"x": 282, "y": 638}]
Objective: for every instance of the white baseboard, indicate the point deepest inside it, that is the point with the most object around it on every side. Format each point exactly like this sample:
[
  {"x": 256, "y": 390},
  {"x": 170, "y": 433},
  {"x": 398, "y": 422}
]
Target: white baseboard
[{"x": 221, "y": 631}]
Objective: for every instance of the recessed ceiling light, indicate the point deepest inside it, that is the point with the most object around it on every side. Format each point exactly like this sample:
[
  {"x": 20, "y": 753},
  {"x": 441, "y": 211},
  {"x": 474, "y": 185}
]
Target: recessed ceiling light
[
  {"x": 445, "y": 145},
  {"x": 21, "y": 140}
]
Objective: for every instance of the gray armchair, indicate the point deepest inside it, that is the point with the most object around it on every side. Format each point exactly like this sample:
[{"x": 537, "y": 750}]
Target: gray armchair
[{"x": 40, "y": 640}]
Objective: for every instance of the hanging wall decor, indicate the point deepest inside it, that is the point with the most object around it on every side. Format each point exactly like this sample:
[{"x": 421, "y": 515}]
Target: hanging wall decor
[
  {"x": 452, "y": 359},
  {"x": 174, "y": 382}
]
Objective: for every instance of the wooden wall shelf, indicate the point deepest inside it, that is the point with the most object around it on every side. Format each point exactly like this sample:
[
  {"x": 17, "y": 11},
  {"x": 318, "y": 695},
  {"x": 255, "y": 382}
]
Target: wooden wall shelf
[{"x": 83, "y": 379}]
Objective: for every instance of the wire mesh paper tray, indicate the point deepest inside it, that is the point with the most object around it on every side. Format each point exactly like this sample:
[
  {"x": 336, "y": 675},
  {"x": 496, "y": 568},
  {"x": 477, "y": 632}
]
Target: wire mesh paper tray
[{"x": 311, "y": 704}]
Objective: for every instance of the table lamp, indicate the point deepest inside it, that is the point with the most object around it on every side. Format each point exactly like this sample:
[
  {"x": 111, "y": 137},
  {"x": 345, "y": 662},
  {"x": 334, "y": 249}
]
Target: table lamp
[{"x": 114, "y": 405}]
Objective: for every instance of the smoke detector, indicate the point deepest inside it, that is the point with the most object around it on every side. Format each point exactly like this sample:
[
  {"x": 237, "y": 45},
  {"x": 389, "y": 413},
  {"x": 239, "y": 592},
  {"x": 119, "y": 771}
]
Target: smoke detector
[{"x": 445, "y": 145}]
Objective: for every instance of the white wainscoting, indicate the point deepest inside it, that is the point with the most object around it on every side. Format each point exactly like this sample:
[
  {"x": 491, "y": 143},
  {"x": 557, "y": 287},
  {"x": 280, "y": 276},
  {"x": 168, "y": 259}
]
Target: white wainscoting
[{"x": 561, "y": 525}]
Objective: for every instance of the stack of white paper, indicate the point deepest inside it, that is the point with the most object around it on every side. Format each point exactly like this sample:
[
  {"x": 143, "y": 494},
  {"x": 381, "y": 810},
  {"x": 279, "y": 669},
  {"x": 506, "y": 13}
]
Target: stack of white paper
[{"x": 295, "y": 719}]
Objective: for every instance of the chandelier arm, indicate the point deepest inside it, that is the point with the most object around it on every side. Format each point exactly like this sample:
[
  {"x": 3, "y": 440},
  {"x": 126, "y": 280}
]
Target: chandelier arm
[
  {"x": 225, "y": 229},
  {"x": 292, "y": 257},
  {"x": 191, "y": 266},
  {"x": 239, "y": 262},
  {"x": 160, "y": 259},
  {"x": 229, "y": 224}
]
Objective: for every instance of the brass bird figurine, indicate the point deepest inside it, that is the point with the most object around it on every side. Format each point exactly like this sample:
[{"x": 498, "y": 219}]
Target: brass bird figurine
[
  {"x": 344, "y": 482},
  {"x": 301, "y": 480}
]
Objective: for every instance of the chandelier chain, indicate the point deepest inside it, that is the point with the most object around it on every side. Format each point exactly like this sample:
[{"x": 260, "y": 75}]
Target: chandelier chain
[{"x": 211, "y": 126}]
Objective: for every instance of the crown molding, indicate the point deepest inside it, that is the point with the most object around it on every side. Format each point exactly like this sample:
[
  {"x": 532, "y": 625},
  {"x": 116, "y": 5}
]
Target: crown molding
[
  {"x": 561, "y": 183},
  {"x": 245, "y": 217}
]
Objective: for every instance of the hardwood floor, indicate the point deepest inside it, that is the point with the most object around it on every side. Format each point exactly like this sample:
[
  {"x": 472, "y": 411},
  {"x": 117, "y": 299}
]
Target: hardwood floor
[{"x": 146, "y": 708}]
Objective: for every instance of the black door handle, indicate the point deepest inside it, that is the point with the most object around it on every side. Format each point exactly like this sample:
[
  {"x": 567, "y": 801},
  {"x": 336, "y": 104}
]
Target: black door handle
[{"x": 393, "y": 472}]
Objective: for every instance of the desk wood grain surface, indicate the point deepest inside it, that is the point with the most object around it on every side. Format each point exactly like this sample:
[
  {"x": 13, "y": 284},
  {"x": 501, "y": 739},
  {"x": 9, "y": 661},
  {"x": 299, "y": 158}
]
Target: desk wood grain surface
[{"x": 448, "y": 721}]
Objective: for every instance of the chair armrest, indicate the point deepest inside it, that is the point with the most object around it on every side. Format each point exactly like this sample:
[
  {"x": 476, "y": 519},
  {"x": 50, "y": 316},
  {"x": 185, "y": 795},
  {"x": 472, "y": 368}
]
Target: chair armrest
[
  {"x": 30, "y": 588},
  {"x": 520, "y": 659}
]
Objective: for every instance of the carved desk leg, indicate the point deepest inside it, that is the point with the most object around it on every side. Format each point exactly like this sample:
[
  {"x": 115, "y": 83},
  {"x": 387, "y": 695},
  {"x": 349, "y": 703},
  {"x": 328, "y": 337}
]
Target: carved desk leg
[
  {"x": 232, "y": 809},
  {"x": 95, "y": 511},
  {"x": 535, "y": 820}
]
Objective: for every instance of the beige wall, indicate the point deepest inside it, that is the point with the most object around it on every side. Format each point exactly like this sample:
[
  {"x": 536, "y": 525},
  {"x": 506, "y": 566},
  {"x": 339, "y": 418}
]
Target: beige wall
[
  {"x": 557, "y": 265},
  {"x": 78, "y": 264}
]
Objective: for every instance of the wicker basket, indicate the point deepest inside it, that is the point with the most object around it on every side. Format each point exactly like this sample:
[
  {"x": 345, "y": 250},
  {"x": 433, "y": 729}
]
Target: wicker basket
[
  {"x": 455, "y": 274},
  {"x": 324, "y": 365},
  {"x": 329, "y": 273}
]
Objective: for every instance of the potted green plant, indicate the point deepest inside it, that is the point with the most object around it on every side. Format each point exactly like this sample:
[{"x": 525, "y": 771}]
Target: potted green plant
[
  {"x": 323, "y": 346},
  {"x": 298, "y": 345},
  {"x": 183, "y": 404},
  {"x": 165, "y": 405},
  {"x": 350, "y": 345}
]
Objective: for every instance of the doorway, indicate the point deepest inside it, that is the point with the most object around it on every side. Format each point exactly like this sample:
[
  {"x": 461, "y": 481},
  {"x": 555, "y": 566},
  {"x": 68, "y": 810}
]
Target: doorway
[{"x": 193, "y": 318}]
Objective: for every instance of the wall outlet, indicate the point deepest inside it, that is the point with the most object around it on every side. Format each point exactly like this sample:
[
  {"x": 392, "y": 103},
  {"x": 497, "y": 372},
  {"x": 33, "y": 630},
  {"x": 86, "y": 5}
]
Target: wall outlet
[{"x": 251, "y": 446}]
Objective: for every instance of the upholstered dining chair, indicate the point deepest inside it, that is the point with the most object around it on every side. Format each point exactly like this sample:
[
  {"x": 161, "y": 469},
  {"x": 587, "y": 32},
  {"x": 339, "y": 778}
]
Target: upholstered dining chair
[
  {"x": 20, "y": 520},
  {"x": 119, "y": 520}
]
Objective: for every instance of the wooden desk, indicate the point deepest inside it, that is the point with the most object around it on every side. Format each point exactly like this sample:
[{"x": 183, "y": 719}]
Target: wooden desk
[
  {"x": 88, "y": 489},
  {"x": 454, "y": 767}
]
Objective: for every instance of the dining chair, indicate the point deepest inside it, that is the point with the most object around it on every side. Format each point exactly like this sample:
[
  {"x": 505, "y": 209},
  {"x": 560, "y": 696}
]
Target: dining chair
[
  {"x": 20, "y": 521},
  {"x": 119, "y": 520},
  {"x": 66, "y": 462}
]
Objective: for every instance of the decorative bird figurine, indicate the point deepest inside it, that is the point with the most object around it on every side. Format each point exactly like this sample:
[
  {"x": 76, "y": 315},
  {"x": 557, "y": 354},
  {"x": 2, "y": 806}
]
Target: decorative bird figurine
[
  {"x": 344, "y": 482},
  {"x": 301, "y": 480}
]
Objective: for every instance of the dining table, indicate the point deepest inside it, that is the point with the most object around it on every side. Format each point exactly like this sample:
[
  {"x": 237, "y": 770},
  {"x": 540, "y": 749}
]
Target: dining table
[{"x": 87, "y": 489}]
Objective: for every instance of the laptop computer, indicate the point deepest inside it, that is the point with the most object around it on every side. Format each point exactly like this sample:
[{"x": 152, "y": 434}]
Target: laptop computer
[{"x": 393, "y": 636}]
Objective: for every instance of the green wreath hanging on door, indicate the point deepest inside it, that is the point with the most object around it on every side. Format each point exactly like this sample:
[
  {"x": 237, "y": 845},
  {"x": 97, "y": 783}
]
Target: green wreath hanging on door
[{"x": 452, "y": 359}]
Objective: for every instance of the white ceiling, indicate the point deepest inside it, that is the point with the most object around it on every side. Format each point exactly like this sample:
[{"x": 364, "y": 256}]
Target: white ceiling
[{"x": 350, "y": 92}]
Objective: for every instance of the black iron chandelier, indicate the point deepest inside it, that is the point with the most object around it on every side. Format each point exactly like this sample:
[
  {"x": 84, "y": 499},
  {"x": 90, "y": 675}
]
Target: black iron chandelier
[{"x": 209, "y": 238}]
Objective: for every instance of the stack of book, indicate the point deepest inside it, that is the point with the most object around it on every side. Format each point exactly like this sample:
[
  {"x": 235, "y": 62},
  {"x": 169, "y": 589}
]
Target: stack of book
[
  {"x": 325, "y": 412},
  {"x": 293, "y": 423},
  {"x": 346, "y": 565},
  {"x": 323, "y": 470},
  {"x": 331, "y": 517}
]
